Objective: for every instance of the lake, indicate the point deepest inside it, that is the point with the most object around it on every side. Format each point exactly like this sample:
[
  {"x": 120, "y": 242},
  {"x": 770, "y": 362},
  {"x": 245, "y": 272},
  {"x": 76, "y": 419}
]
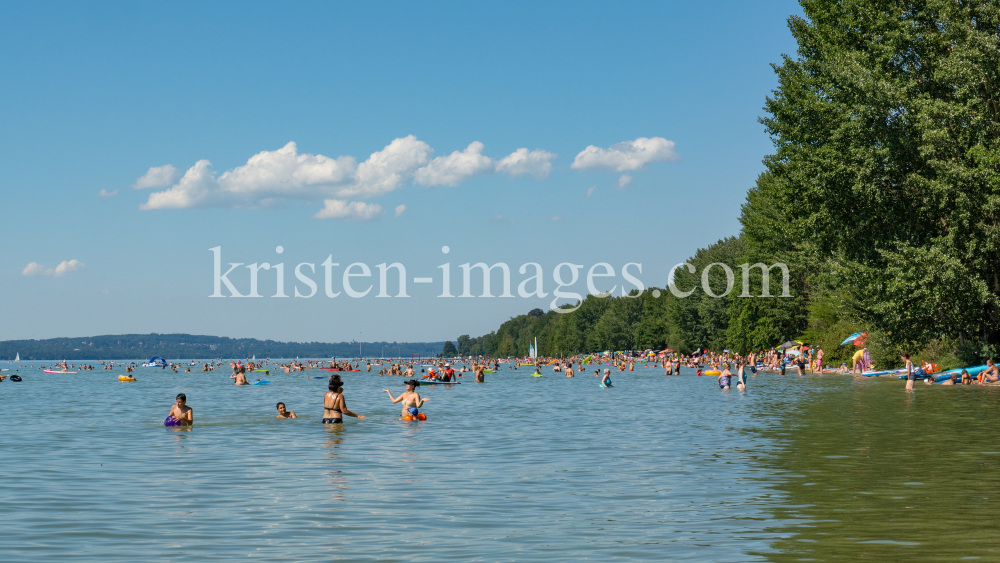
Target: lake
[{"x": 516, "y": 469}]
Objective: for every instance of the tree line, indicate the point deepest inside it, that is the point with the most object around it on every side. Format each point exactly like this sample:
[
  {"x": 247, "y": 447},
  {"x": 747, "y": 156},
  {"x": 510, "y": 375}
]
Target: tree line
[
  {"x": 191, "y": 346},
  {"x": 882, "y": 196}
]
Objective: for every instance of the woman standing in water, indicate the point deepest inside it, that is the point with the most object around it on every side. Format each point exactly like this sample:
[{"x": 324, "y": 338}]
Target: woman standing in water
[
  {"x": 606, "y": 380},
  {"x": 240, "y": 376},
  {"x": 724, "y": 377},
  {"x": 910, "y": 376},
  {"x": 334, "y": 405},
  {"x": 741, "y": 376},
  {"x": 410, "y": 398}
]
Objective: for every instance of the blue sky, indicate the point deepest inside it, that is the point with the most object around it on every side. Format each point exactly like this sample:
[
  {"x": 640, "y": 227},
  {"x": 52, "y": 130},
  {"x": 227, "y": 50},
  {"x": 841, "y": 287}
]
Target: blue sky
[{"x": 637, "y": 124}]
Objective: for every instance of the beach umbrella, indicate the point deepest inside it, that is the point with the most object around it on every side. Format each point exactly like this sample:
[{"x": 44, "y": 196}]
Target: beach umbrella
[
  {"x": 854, "y": 338},
  {"x": 789, "y": 344}
]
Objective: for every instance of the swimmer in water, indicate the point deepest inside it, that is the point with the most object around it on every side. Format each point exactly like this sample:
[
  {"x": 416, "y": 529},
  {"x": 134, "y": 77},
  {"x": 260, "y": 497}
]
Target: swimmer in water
[
  {"x": 241, "y": 377},
  {"x": 180, "y": 412},
  {"x": 285, "y": 413},
  {"x": 724, "y": 378},
  {"x": 334, "y": 405},
  {"x": 606, "y": 380},
  {"x": 410, "y": 398}
]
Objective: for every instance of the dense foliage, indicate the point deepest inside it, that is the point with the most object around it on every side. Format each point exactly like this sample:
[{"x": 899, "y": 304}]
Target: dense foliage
[{"x": 882, "y": 197}]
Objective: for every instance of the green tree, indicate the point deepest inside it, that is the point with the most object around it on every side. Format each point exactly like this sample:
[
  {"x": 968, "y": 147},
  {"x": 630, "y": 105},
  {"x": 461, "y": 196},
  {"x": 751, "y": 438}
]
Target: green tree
[
  {"x": 449, "y": 350},
  {"x": 464, "y": 345},
  {"x": 887, "y": 136}
]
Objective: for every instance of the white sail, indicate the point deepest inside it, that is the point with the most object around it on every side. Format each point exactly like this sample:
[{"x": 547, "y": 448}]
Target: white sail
[{"x": 18, "y": 358}]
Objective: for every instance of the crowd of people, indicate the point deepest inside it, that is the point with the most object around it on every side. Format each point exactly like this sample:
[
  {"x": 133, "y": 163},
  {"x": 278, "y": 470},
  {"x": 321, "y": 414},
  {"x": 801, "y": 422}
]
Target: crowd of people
[{"x": 730, "y": 370}]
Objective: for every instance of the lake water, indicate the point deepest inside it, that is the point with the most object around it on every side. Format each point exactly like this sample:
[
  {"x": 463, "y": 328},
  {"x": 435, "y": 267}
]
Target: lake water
[{"x": 516, "y": 469}]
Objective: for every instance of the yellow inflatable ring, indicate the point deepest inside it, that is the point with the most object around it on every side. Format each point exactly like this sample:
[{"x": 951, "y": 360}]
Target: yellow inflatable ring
[
  {"x": 712, "y": 372},
  {"x": 125, "y": 378}
]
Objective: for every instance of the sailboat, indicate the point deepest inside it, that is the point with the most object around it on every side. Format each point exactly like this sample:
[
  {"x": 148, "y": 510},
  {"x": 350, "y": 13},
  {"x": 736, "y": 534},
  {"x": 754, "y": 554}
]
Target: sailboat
[{"x": 18, "y": 358}]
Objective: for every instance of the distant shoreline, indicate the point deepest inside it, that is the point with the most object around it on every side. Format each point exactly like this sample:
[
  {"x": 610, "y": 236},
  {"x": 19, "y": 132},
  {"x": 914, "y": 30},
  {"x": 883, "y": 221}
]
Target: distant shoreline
[{"x": 129, "y": 347}]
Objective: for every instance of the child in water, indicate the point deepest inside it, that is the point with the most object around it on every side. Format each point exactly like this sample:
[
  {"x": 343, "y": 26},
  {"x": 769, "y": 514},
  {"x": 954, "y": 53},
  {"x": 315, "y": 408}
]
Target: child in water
[
  {"x": 180, "y": 413},
  {"x": 285, "y": 413}
]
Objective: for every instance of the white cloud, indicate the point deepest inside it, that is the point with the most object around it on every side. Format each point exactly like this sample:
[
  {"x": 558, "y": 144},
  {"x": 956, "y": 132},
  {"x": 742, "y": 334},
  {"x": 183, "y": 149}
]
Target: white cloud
[
  {"x": 556, "y": 217},
  {"x": 64, "y": 267},
  {"x": 342, "y": 209},
  {"x": 270, "y": 177},
  {"x": 196, "y": 189},
  {"x": 590, "y": 190},
  {"x": 157, "y": 177},
  {"x": 537, "y": 163},
  {"x": 285, "y": 172},
  {"x": 33, "y": 269},
  {"x": 386, "y": 170},
  {"x": 400, "y": 209},
  {"x": 454, "y": 168},
  {"x": 106, "y": 193},
  {"x": 624, "y": 181},
  {"x": 630, "y": 155}
]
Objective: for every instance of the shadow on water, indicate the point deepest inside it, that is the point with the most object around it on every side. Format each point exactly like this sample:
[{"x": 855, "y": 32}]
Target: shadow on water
[{"x": 869, "y": 471}]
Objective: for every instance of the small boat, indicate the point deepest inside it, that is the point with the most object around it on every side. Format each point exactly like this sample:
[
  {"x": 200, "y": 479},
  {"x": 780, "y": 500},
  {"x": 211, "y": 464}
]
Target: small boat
[
  {"x": 125, "y": 378},
  {"x": 156, "y": 362}
]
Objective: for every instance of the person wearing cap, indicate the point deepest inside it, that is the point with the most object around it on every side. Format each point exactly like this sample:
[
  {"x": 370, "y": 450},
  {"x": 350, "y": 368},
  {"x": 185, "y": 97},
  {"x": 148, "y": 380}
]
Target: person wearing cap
[
  {"x": 449, "y": 372},
  {"x": 410, "y": 398}
]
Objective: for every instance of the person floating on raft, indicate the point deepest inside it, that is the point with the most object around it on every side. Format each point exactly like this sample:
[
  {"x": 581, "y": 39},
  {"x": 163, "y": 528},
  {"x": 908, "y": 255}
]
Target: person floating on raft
[{"x": 411, "y": 401}]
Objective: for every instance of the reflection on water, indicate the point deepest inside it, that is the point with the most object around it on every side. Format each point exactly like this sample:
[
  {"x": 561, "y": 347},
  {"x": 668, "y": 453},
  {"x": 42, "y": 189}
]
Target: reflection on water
[
  {"x": 875, "y": 473},
  {"x": 517, "y": 469}
]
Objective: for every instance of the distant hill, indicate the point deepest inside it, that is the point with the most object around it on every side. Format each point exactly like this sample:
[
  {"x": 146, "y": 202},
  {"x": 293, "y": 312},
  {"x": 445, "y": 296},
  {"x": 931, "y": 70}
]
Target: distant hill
[{"x": 184, "y": 346}]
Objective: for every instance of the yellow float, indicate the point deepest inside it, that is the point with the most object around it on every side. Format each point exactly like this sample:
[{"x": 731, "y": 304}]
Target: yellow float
[
  {"x": 125, "y": 378},
  {"x": 712, "y": 372}
]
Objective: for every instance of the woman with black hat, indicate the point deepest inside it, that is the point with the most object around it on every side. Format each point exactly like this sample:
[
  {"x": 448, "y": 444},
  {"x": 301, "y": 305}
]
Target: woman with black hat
[{"x": 411, "y": 400}]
